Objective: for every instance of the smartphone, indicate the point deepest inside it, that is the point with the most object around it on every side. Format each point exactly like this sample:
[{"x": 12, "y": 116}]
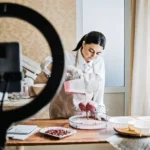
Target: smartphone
[{"x": 10, "y": 67}]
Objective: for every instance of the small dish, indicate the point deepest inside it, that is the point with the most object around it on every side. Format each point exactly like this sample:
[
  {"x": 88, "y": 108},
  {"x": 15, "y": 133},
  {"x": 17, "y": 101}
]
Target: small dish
[
  {"x": 57, "y": 132},
  {"x": 120, "y": 122}
]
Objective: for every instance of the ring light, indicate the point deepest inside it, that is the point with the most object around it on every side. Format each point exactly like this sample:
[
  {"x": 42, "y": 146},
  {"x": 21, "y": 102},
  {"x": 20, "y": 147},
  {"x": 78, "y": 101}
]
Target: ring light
[{"x": 45, "y": 27}]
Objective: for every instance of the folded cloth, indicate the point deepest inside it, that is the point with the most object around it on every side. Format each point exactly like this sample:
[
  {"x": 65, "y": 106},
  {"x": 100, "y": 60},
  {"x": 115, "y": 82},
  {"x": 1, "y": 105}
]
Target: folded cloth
[{"x": 132, "y": 143}]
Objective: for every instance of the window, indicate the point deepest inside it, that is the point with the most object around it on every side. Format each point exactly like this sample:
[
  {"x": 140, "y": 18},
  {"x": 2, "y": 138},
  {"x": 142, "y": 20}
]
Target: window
[{"x": 107, "y": 17}]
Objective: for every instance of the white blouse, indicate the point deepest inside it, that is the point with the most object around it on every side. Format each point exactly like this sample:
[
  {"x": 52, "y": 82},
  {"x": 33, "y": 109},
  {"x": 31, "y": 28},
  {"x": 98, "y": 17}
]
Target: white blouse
[{"x": 94, "y": 68}]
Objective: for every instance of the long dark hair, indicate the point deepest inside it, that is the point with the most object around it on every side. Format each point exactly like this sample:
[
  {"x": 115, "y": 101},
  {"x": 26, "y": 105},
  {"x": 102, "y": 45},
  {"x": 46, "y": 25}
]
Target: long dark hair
[{"x": 92, "y": 37}]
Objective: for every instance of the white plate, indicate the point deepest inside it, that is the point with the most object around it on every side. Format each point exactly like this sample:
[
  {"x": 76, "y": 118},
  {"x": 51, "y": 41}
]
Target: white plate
[
  {"x": 57, "y": 132},
  {"x": 147, "y": 118}
]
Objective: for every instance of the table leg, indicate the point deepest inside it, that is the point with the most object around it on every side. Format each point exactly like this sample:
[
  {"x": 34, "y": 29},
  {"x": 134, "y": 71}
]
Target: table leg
[{"x": 20, "y": 148}]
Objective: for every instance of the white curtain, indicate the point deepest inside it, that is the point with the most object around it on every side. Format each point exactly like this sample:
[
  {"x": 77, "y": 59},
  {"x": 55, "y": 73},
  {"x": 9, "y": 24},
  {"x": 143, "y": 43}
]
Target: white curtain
[{"x": 140, "y": 102}]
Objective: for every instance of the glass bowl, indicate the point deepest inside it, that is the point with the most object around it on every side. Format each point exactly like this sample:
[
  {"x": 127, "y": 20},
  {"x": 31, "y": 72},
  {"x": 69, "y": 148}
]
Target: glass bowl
[{"x": 81, "y": 122}]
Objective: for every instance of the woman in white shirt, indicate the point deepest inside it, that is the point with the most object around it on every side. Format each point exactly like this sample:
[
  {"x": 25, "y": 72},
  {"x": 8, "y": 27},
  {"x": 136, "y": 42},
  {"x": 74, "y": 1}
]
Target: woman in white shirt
[{"x": 83, "y": 62}]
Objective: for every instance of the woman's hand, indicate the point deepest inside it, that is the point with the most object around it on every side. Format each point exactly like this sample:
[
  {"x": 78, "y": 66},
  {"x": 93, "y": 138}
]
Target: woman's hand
[
  {"x": 101, "y": 113},
  {"x": 82, "y": 106},
  {"x": 88, "y": 106},
  {"x": 91, "y": 106},
  {"x": 101, "y": 116},
  {"x": 73, "y": 73}
]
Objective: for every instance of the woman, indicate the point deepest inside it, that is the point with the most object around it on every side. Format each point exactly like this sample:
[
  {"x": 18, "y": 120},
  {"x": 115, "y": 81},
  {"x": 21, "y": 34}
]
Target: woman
[{"x": 83, "y": 62}]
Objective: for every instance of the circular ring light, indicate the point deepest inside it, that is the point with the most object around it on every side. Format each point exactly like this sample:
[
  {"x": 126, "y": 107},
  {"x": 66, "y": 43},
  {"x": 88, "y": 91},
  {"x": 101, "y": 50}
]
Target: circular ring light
[{"x": 44, "y": 26}]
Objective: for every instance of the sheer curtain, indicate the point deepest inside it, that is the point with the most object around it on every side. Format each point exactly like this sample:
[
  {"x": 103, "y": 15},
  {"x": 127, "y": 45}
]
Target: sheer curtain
[{"x": 140, "y": 95}]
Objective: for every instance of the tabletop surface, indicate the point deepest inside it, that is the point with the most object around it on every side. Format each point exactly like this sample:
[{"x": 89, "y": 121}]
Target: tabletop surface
[{"x": 81, "y": 137}]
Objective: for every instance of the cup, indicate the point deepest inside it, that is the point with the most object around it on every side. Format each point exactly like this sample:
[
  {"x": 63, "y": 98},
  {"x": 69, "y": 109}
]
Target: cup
[
  {"x": 142, "y": 127},
  {"x": 25, "y": 93}
]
